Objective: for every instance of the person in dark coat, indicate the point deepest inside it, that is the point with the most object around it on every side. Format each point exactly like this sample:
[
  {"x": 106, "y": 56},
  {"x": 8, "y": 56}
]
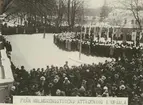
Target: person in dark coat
[{"x": 10, "y": 47}]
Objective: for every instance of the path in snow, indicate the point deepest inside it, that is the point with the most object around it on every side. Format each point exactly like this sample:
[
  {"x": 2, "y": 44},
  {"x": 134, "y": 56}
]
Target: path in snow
[{"x": 32, "y": 51}]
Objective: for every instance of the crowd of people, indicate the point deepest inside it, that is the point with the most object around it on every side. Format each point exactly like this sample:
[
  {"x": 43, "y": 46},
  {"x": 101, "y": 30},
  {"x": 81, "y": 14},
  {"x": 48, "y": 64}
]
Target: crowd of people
[
  {"x": 96, "y": 48},
  {"x": 117, "y": 78},
  {"x": 7, "y": 45},
  {"x": 123, "y": 78},
  {"x": 30, "y": 29}
]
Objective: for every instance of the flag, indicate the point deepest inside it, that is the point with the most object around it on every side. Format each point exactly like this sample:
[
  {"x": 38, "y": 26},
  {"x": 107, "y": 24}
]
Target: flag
[
  {"x": 112, "y": 35},
  {"x": 118, "y": 32},
  {"x": 100, "y": 32},
  {"x": 85, "y": 30},
  {"x": 141, "y": 35},
  {"x": 84, "y": 33},
  {"x": 89, "y": 30},
  {"x": 108, "y": 32},
  {"x": 95, "y": 32},
  {"x": 134, "y": 36},
  {"x": 124, "y": 37},
  {"x": 138, "y": 39}
]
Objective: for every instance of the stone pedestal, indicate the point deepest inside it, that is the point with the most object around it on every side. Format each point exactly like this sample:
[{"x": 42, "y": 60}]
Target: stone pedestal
[{"x": 6, "y": 78}]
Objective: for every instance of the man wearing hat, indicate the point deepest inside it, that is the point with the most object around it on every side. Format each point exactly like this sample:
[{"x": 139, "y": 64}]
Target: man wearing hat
[{"x": 67, "y": 86}]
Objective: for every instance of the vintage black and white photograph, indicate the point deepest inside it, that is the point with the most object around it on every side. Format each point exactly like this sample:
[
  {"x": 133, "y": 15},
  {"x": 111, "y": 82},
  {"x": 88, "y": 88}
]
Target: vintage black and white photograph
[{"x": 71, "y": 48}]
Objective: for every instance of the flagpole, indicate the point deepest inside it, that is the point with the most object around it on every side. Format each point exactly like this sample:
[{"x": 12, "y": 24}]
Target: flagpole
[
  {"x": 44, "y": 33},
  {"x": 80, "y": 47}
]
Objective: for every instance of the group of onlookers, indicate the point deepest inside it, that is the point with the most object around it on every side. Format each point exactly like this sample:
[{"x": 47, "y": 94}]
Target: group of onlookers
[
  {"x": 123, "y": 78},
  {"x": 118, "y": 78},
  {"x": 95, "y": 48}
]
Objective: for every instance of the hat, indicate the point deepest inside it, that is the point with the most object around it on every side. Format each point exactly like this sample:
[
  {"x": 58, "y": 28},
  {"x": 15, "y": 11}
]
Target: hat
[
  {"x": 57, "y": 77},
  {"x": 122, "y": 82},
  {"x": 103, "y": 77},
  {"x": 13, "y": 88},
  {"x": 50, "y": 85},
  {"x": 99, "y": 95},
  {"x": 22, "y": 67},
  {"x": 64, "y": 74},
  {"x": 17, "y": 83},
  {"x": 82, "y": 89},
  {"x": 84, "y": 81},
  {"x": 114, "y": 87},
  {"x": 75, "y": 89},
  {"x": 141, "y": 94},
  {"x": 116, "y": 75},
  {"x": 105, "y": 88},
  {"x": 55, "y": 80},
  {"x": 122, "y": 87},
  {"x": 62, "y": 93},
  {"x": 43, "y": 78},
  {"x": 66, "y": 78},
  {"x": 87, "y": 70},
  {"x": 58, "y": 92},
  {"x": 98, "y": 85},
  {"x": 38, "y": 93},
  {"x": 141, "y": 76},
  {"x": 104, "y": 95},
  {"x": 123, "y": 69}
]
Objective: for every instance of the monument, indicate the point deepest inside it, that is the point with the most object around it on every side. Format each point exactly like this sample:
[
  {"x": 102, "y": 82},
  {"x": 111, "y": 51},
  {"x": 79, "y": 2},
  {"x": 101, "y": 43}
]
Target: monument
[{"x": 6, "y": 75}]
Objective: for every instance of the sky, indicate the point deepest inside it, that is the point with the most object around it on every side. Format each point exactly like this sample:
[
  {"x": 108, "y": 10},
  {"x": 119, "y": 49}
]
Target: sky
[{"x": 97, "y": 3}]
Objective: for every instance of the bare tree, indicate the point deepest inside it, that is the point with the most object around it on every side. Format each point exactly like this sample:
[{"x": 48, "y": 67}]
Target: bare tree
[
  {"x": 63, "y": 11},
  {"x": 60, "y": 11},
  {"x": 32, "y": 8},
  {"x": 68, "y": 12},
  {"x": 75, "y": 12},
  {"x": 135, "y": 7}
]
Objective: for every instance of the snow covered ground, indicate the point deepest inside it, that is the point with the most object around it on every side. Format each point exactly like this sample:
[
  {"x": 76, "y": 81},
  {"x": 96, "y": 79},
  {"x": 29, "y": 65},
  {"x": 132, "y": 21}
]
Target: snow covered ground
[{"x": 32, "y": 51}]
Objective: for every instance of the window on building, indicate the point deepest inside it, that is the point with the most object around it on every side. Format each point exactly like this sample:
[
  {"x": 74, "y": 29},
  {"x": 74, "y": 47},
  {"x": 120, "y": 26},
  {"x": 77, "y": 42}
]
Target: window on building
[
  {"x": 136, "y": 22},
  {"x": 132, "y": 21},
  {"x": 125, "y": 21}
]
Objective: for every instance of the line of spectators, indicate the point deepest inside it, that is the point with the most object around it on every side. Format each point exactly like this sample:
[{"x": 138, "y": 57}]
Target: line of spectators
[
  {"x": 95, "y": 48},
  {"x": 123, "y": 78},
  {"x": 5, "y": 44}
]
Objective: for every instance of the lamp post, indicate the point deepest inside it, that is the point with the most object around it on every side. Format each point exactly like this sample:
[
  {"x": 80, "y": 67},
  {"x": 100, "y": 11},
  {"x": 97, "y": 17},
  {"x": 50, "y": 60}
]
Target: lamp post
[
  {"x": 44, "y": 35},
  {"x": 80, "y": 48}
]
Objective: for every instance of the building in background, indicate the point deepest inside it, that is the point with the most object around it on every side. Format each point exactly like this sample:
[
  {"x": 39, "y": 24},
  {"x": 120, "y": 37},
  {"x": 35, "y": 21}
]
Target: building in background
[{"x": 122, "y": 18}]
